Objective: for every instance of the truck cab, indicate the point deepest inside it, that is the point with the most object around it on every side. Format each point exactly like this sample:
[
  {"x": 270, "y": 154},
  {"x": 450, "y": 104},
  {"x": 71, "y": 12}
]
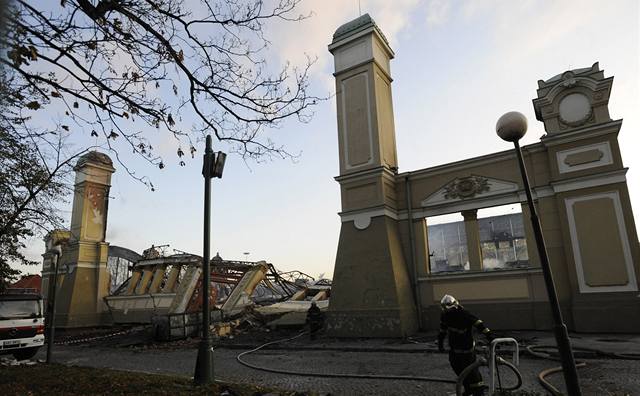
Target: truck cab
[{"x": 21, "y": 324}]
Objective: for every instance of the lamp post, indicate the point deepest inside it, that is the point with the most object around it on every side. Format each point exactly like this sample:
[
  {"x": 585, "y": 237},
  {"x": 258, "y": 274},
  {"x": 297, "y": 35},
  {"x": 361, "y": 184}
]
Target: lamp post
[
  {"x": 56, "y": 251},
  {"x": 212, "y": 167},
  {"x": 511, "y": 127}
]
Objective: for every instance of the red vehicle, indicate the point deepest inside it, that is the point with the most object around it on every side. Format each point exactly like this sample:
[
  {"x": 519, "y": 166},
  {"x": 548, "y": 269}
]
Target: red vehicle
[{"x": 21, "y": 324}]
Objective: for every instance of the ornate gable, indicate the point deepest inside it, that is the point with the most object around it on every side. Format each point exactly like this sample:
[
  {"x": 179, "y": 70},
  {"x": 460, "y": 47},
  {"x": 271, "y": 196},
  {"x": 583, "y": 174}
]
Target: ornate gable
[{"x": 469, "y": 187}]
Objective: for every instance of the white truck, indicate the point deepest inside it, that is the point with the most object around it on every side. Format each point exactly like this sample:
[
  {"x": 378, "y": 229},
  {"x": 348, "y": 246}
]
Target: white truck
[{"x": 21, "y": 324}]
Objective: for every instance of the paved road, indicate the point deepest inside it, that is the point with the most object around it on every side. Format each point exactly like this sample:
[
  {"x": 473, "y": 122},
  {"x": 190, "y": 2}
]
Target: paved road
[{"x": 601, "y": 377}]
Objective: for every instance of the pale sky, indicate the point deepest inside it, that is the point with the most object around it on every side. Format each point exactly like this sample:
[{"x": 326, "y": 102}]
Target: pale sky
[{"x": 459, "y": 66}]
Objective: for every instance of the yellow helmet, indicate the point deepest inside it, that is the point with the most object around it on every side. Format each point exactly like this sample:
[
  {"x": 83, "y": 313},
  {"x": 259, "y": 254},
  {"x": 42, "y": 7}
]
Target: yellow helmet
[{"x": 449, "y": 302}]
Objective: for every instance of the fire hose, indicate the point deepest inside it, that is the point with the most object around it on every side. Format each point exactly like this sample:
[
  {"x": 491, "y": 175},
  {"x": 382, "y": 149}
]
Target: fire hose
[
  {"x": 483, "y": 362},
  {"x": 334, "y": 375},
  {"x": 459, "y": 382},
  {"x": 540, "y": 352},
  {"x": 493, "y": 362}
]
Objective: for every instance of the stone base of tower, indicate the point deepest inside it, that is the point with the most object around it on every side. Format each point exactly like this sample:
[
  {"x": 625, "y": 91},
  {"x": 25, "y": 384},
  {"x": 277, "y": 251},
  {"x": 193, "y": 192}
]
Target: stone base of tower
[
  {"x": 83, "y": 284},
  {"x": 370, "y": 323},
  {"x": 371, "y": 294}
]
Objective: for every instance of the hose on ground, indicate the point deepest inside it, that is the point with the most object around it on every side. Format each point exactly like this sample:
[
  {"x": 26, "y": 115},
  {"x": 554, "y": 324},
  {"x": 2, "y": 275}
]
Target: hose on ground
[
  {"x": 626, "y": 356},
  {"x": 334, "y": 375},
  {"x": 459, "y": 384},
  {"x": 531, "y": 349},
  {"x": 544, "y": 373},
  {"x": 540, "y": 352},
  {"x": 483, "y": 362},
  {"x": 515, "y": 371},
  {"x": 547, "y": 385}
]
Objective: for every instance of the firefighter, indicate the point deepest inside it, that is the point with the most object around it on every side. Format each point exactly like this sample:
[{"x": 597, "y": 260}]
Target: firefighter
[
  {"x": 315, "y": 318},
  {"x": 458, "y": 323}
]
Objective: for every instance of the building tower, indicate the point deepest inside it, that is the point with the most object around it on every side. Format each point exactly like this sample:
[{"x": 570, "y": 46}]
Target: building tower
[
  {"x": 83, "y": 280},
  {"x": 589, "y": 179},
  {"x": 371, "y": 293}
]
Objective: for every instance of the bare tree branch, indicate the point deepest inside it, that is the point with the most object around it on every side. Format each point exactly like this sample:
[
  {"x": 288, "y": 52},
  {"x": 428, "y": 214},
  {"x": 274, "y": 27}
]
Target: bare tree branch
[{"x": 122, "y": 75}]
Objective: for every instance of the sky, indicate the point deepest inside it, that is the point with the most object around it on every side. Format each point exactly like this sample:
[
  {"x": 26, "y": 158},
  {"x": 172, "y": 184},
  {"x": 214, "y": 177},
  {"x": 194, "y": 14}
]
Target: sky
[{"x": 459, "y": 66}]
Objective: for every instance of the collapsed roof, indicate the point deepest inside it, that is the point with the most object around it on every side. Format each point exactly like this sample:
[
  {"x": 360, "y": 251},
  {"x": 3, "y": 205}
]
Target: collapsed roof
[{"x": 170, "y": 284}]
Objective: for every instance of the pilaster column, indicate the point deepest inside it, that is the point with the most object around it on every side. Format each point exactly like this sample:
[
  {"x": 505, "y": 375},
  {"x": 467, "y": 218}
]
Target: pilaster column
[{"x": 472, "y": 232}]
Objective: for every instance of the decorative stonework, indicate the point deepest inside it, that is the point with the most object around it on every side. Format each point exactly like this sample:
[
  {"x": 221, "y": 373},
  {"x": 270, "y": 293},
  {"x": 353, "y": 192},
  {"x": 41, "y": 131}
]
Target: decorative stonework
[
  {"x": 568, "y": 79},
  {"x": 573, "y": 99},
  {"x": 583, "y": 157},
  {"x": 470, "y": 188},
  {"x": 362, "y": 221},
  {"x": 609, "y": 244},
  {"x": 466, "y": 187},
  {"x": 575, "y": 109}
]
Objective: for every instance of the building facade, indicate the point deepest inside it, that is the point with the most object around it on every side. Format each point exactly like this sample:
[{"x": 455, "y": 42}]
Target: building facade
[{"x": 383, "y": 282}]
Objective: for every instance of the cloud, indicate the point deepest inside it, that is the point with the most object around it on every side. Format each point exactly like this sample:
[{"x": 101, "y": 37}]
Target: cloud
[
  {"x": 438, "y": 12},
  {"x": 518, "y": 34},
  {"x": 293, "y": 41},
  {"x": 393, "y": 17}
]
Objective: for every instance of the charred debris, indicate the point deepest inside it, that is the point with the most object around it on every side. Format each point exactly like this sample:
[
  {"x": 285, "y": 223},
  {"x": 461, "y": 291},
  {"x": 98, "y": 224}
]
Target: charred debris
[{"x": 164, "y": 290}]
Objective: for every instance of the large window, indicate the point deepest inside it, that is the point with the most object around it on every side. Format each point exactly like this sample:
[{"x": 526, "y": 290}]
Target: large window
[
  {"x": 502, "y": 240},
  {"x": 447, "y": 243}
]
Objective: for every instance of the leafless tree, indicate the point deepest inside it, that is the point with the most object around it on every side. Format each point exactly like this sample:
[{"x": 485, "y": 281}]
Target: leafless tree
[
  {"x": 111, "y": 62},
  {"x": 121, "y": 74}
]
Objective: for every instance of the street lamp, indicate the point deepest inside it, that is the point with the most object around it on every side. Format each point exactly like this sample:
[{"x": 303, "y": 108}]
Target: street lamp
[
  {"x": 56, "y": 251},
  {"x": 212, "y": 167},
  {"x": 511, "y": 127}
]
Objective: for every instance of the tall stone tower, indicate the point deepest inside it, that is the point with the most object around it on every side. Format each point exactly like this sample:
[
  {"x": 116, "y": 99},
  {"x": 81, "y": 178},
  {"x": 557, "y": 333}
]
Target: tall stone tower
[
  {"x": 371, "y": 293},
  {"x": 589, "y": 179},
  {"x": 83, "y": 281}
]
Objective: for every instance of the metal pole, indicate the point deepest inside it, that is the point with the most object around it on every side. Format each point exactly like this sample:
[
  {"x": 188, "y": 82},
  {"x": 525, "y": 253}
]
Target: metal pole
[
  {"x": 51, "y": 309},
  {"x": 560, "y": 330},
  {"x": 204, "y": 363}
]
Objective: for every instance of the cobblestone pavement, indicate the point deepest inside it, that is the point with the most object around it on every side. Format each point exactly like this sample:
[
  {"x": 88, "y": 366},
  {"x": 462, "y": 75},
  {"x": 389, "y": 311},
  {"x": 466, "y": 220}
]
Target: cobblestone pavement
[{"x": 600, "y": 377}]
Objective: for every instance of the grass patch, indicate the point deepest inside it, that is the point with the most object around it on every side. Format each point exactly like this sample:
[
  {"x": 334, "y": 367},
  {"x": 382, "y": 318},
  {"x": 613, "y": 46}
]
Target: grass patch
[{"x": 56, "y": 379}]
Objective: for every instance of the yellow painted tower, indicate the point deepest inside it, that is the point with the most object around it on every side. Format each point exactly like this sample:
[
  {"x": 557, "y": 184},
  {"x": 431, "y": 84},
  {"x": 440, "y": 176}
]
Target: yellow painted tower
[
  {"x": 371, "y": 293},
  {"x": 83, "y": 280}
]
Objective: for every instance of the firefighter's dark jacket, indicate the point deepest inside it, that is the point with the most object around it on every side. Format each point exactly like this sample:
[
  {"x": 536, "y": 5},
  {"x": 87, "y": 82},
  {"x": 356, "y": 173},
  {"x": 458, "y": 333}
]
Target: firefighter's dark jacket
[{"x": 458, "y": 323}]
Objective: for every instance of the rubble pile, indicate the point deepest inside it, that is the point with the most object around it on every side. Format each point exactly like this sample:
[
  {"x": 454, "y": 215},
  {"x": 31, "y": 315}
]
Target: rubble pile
[{"x": 165, "y": 291}]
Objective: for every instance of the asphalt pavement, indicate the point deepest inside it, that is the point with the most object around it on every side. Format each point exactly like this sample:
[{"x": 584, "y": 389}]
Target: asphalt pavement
[{"x": 321, "y": 359}]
